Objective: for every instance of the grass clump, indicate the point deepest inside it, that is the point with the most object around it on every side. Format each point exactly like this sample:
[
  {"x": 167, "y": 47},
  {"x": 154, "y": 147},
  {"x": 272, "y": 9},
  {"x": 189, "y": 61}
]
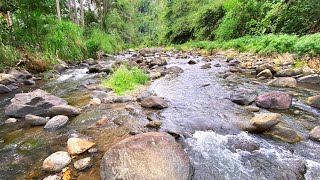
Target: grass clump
[{"x": 124, "y": 79}]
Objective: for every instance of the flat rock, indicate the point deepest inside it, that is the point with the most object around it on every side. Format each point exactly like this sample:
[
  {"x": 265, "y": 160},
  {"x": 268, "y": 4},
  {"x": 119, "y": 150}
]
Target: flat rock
[
  {"x": 283, "y": 82},
  {"x": 83, "y": 164},
  {"x": 4, "y": 89},
  {"x": 36, "y": 120},
  {"x": 146, "y": 156},
  {"x": 243, "y": 96},
  {"x": 264, "y": 121},
  {"x": 56, "y": 122},
  {"x": 154, "y": 102},
  {"x": 312, "y": 79},
  {"x": 66, "y": 110},
  {"x": 36, "y": 102},
  {"x": 78, "y": 145},
  {"x": 56, "y": 161},
  {"x": 285, "y": 134},
  {"x": 274, "y": 100},
  {"x": 144, "y": 95}
]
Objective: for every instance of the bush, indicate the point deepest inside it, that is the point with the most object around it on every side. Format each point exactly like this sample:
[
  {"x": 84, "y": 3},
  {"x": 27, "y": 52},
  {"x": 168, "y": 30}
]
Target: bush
[
  {"x": 8, "y": 56},
  {"x": 124, "y": 79},
  {"x": 99, "y": 40},
  {"x": 63, "y": 39}
]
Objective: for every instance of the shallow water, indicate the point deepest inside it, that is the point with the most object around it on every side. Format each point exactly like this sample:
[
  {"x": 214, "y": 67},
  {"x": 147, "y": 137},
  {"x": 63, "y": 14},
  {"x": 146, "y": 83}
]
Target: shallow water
[{"x": 199, "y": 111}]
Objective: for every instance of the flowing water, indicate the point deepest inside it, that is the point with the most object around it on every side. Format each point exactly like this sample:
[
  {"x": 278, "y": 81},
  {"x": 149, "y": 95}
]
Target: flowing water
[{"x": 199, "y": 111}]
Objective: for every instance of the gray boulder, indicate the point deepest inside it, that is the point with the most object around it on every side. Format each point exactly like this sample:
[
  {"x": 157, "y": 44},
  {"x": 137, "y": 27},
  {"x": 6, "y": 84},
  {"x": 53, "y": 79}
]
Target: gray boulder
[
  {"x": 274, "y": 100},
  {"x": 36, "y": 120},
  {"x": 146, "y": 156},
  {"x": 56, "y": 122},
  {"x": 36, "y": 102},
  {"x": 66, "y": 110},
  {"x": 56, "y": 161},
  {"x": 283, "y": 82},
  {"x": 243, "y": 96},
  {"x": 314, "y": 101},
  {"x": 4, "y": 89},
  {"x": 154, "y": 102},
  {"x": 313, "y": 79}
]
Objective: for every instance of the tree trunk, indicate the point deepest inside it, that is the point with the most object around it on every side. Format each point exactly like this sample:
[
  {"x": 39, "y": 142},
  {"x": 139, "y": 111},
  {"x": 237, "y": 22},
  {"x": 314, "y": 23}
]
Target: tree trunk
[
  {"x": 75, "y": 12},
  {"x": 58, "y": 9},
  {"x": 81, "y": 13},
  {"x": 8, "y": 19}
]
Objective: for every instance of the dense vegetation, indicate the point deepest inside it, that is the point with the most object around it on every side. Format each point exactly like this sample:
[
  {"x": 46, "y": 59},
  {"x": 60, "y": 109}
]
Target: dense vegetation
[{"x": 33, "y": 35}]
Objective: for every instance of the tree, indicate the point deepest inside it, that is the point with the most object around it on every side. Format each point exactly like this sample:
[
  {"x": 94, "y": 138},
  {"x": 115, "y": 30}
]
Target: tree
[
  {"x": 81, "y": 13},
  {"x": 75, "y": 12},
  {"x": 58, "y": 9}
]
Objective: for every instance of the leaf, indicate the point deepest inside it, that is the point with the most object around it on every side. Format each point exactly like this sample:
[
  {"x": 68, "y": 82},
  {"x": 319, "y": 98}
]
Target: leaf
[{"x": 66, "y": 174}]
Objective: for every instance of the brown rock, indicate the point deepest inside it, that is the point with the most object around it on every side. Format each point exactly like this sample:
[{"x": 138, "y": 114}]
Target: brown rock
[{"x": 78, "y": 145}]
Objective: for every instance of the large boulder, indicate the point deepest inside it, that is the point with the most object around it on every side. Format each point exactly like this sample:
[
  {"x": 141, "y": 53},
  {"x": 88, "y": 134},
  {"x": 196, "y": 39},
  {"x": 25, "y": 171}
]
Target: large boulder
[
  {"x": 36, "y": 102},
  {"x": 314, "y": 101},
  {"x": 285, "y": 134},
  {"x": 283, "y": 82},
  {"x": 7, "y": 79},
  {"x": 146, "y": 156},
  {"x": 20, "y": 74},
  {"x": 313, "y": 79},
  {"x": 78, "y": 145},
  {"x": 264, "y": 121},
  {"x": 56, "y": 161},
  {"x": 274, "y": 100},
  {"x": 243, "y": 96},
  {"x": 315, "y": 134},
  {"x": 154, "y": 102},
  {"x": 66, "y": 110},
  {"x": 4, "y": 89}
]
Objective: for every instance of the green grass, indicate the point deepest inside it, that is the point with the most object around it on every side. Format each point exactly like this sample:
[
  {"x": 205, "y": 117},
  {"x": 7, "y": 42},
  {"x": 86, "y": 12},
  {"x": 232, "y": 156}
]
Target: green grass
[
  {"x": 124, "y": 79},
  {"x": 265, "y": 44}
]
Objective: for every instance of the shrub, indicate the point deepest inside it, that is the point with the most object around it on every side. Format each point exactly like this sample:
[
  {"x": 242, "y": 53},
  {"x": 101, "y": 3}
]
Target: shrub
[
  {"x": 8, "y": 56},
  {"x": 99, "y": 40},
  {"x": 124, "y": 79}
]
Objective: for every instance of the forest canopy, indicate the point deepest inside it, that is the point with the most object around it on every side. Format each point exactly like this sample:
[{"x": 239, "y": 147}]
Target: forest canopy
[{"x": 44, "y": 31}]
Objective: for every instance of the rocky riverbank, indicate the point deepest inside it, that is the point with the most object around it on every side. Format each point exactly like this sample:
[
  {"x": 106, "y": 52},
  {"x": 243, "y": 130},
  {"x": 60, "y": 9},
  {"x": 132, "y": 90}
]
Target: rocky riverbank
[{"x": 72, "y": 127}]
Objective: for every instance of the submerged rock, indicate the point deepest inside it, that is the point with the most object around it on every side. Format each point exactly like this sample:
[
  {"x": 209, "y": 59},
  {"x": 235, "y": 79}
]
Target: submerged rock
[
  {"x": 154, "y": 102},
  {"x": 174, "y": 70},
  {"x": 36, "y": 102},
  {"x": 56, "y": 122},
  {"x": 243, "y": 96},
  {"x": 283, "y": 82},
  {"x": 285, "y": 134},
  {"x": 274, "y": 100},
  {"x": 315, "y": 134},
  {"x": 83, "y": 164},
  {"x": 146, "y": 156},
  {"x": 56, "y": 161},
  {"x": 78, "y": 145},
  {"x": 66, "y": 110}
]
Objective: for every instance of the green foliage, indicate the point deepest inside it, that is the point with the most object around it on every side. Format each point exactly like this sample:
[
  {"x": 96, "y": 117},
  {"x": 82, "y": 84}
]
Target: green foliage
[
  {"x": 8, "y": 56},
  {"x": 100, "y": 40},
  {"x": 124, "y": 79},
  {"x": 266, "y": 44},
  {"x": 64, "y": 39}
]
